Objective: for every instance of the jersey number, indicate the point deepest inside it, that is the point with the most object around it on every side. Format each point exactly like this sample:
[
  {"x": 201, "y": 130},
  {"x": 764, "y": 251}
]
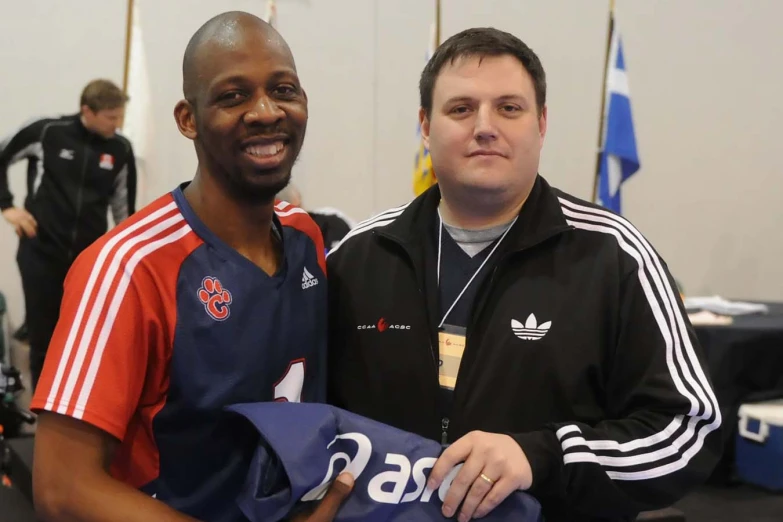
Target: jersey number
[{"x": 289, "y": 387}]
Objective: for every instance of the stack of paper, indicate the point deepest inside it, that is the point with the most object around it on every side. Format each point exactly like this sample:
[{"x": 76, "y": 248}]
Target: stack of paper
[
  {"x": 707, "y": 318},
  {"x": 721, "y": 306}
]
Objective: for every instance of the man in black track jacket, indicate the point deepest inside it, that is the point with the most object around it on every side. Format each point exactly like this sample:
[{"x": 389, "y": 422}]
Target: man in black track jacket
[
  {"x": 77, "y": 167},
  {"x": 539, "y": 336}
]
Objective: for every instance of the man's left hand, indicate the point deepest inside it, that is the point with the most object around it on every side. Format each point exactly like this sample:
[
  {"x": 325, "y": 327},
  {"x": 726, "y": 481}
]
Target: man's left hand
[{"x": 495, "y": 466}]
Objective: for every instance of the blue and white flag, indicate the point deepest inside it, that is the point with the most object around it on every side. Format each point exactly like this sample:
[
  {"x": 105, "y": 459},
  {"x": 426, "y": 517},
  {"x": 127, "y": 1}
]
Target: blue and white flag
[{"x": 619, "y": 157}]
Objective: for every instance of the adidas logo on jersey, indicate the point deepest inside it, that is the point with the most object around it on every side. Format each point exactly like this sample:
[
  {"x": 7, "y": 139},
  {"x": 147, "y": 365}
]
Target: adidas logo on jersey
[
  {"x": 531, "y": 330},
  {"x": 308, "y": 279},
  {"x": 390, "y": 486}
]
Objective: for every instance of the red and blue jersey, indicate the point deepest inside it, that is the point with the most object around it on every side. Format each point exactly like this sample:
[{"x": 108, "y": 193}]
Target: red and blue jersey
[{"x": 163, "y": 325}]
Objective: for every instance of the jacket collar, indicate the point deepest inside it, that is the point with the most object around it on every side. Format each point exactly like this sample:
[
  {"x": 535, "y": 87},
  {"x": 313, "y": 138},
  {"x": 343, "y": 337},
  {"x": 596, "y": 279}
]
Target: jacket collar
[
  {"x": 541, "y": 217},
  {"x": 77, "y": 119}
]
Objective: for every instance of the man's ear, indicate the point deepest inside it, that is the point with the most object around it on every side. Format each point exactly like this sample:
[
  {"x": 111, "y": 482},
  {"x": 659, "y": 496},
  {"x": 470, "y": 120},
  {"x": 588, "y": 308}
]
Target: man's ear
[
  {"x": 542, "y": 125},
  {"x": 185, "y": 117},
  {"x": 424, "y": 123}
]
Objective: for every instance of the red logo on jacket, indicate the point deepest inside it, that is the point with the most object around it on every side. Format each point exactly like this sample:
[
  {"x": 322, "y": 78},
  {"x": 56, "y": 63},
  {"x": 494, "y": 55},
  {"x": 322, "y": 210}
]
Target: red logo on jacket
[
  {"x": 382, "y": 324},
  {"x": 107, "y": 161},
  {"x": 215, "y": 298}
]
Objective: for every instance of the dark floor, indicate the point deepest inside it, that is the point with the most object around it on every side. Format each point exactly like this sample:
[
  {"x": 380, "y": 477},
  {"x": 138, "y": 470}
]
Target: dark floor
[
  {"x": 14, "y": 507},
  {"x": 732, "y": 504}
]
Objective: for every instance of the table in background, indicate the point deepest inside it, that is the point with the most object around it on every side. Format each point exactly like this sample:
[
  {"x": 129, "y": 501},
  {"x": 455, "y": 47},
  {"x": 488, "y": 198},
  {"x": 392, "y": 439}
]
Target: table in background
[{"x": 745, "y": 361}]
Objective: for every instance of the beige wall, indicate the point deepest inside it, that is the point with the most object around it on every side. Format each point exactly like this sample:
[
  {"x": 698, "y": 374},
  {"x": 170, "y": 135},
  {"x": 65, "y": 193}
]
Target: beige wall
[
  {"x": 45, "y": 61},
  {"x": 703, "y": 78}
]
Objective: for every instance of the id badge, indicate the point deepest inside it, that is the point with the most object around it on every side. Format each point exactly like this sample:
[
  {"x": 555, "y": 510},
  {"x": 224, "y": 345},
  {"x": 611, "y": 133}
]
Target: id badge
[{"x": 451, "y": 346}]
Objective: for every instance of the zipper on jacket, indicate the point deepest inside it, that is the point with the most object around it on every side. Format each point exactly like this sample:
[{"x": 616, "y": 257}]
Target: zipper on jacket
[
  {"x": 444, "y": 434},
  {"x": 433, "y": 353},
  {"x": 444, "y": 421},
  {"x": 79, "y": 197}
]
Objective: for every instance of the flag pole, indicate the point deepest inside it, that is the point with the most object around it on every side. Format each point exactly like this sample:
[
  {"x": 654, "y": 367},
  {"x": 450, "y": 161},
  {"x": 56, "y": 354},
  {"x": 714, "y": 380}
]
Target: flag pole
[
  {"x": 437, "y": 23},
  {"x": 126, "y": 63},
  {"x": 610, "y": 27},
  {"x": 271, "y": 13},
  {"x": 128, "y": 29}
]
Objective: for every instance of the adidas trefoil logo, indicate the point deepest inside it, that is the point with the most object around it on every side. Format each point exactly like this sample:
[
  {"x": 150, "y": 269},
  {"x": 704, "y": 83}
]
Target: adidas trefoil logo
[
  {"x": 308, "y": 279},
  {"x": 531, "y": 330}
]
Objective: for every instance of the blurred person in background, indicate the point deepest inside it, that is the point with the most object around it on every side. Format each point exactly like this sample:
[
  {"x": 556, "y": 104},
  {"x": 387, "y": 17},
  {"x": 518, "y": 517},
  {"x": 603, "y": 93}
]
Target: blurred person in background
[
  {"x": 334, "y": 224},
  {"x": 77, "y": 167}
]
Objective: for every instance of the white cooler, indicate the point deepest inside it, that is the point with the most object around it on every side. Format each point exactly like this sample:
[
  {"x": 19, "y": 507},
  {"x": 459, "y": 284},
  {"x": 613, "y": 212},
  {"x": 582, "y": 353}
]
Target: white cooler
[{"x": 759, "y": 444}]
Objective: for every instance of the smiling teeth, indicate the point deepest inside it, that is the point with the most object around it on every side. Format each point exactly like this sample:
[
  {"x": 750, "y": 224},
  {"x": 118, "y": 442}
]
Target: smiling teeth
[{"x": 265, "y": 150}]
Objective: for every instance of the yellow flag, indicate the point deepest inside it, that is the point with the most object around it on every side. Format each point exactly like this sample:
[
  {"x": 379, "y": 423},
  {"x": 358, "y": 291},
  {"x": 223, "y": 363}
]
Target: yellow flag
[{"x": 423, "y": 174}]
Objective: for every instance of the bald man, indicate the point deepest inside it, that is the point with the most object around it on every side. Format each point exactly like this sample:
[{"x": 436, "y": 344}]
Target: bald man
[{"x": 208, "y": 297}]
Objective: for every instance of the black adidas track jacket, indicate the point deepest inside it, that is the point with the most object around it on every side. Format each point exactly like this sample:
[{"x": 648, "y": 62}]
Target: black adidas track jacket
[
  {"x": 610, "y": 400},
  {"x": 73, "y": 176}
]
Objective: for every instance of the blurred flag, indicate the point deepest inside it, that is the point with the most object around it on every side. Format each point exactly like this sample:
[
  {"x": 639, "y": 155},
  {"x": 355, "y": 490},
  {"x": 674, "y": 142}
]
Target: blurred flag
[
  {"x": 271, "y": 13},
  {"x": 618, "y": 158},
  {"x": 423, "y": 175},
  {"x": 138, "y": 122}
]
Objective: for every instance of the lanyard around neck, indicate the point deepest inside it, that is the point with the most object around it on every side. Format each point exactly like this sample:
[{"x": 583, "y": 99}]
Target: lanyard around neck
[{"x": 440, "y": 248}]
